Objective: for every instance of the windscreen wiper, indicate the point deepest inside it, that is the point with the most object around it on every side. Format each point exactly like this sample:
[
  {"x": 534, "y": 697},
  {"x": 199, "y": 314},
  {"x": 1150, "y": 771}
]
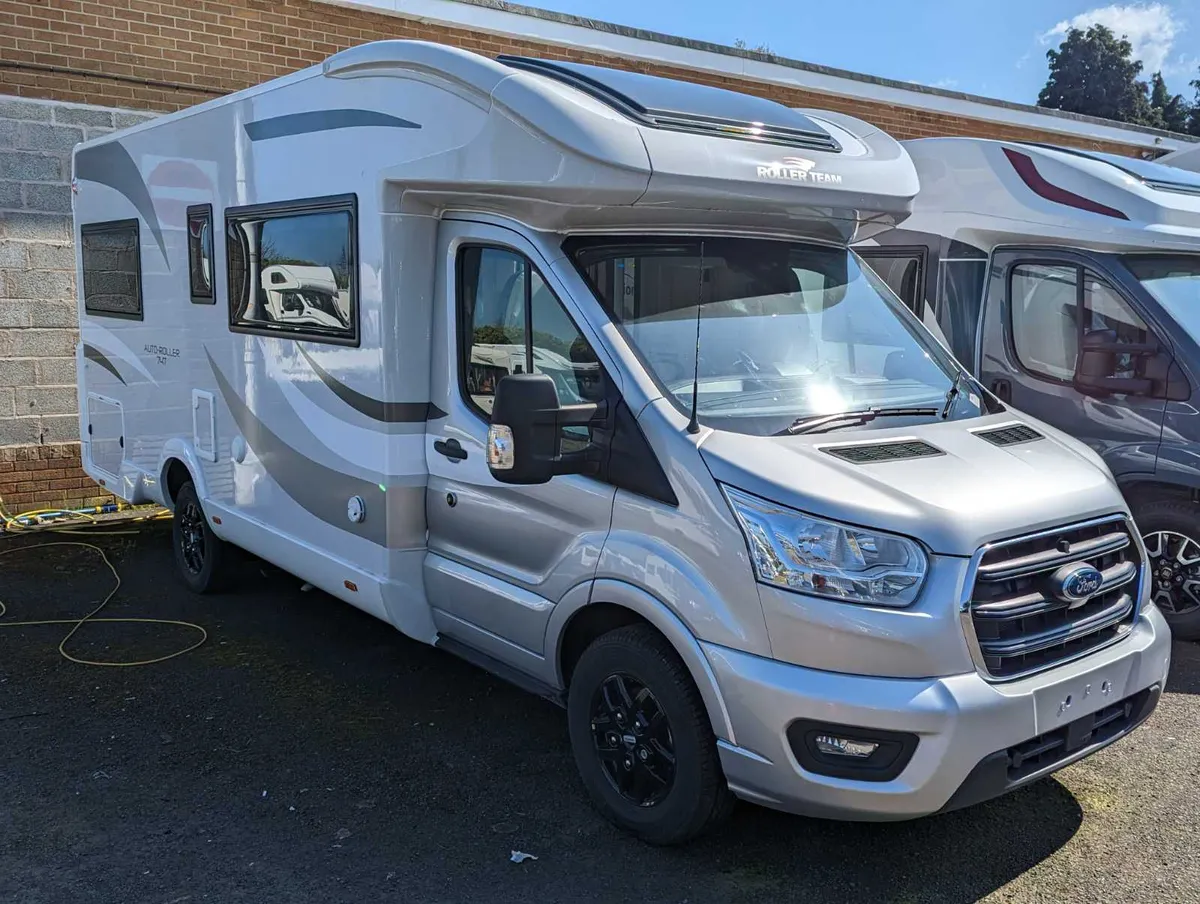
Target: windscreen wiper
[
  {"x": 865, "y": 415},
  {"x": 953, "y": 393}
]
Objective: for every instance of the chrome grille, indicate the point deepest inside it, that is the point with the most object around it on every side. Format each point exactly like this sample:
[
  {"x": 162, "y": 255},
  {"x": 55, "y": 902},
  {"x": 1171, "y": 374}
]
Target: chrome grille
[{"x": 1017, "y": 621}]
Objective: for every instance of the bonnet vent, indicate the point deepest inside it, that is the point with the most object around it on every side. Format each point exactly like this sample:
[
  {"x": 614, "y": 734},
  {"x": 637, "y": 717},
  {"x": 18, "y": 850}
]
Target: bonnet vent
[
  {"x": 1010, "y": 435},
  {"x": 873, "y": 454}
]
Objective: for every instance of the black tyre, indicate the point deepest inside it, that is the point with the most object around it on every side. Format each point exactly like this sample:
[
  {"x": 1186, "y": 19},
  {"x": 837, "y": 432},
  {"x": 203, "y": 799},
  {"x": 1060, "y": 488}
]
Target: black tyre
[
  {"x": 203, "y": 559},
  {"x": 642, "y": 739},
  {"x": 1171, "y": 531}
]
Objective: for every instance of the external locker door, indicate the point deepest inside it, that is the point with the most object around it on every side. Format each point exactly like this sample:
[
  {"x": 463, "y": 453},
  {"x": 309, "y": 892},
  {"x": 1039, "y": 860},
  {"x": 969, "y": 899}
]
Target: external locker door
[{"x": 106, "y": 433}]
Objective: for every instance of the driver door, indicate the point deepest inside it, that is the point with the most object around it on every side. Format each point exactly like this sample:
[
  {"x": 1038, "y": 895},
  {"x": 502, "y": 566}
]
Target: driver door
[
  {"x": 1039, "y": 306},
  {"x": 502, "y": 556}
]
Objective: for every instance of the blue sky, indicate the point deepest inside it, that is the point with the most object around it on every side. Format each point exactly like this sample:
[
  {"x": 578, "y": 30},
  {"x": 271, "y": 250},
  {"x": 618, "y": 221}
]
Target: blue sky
[{"x": 994, "y": 49}]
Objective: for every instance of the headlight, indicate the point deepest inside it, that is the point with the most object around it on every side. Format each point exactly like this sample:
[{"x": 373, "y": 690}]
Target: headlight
[{"x": 810, "y": 555}]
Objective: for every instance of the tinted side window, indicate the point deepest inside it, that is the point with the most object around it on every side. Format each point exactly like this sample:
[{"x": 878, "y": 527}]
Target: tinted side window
[
  {"x": 491, "y": 293},
  {"x": 959, "y": 304},
  {"x": 293, "y": 270},
  {"x": 112, "y": 269},
  {"x": 511, "y": 322},
  {"x": 559, "y": 349},
  {"x": 1104, "y": 309},
  {"x": 200, "y": 253},
  {"x": 903, "y": 274},
  {"x": 1045, "y": 322}
]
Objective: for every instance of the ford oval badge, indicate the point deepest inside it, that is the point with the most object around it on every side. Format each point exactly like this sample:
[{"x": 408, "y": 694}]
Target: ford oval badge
[{"x": 1076, "y": 584}]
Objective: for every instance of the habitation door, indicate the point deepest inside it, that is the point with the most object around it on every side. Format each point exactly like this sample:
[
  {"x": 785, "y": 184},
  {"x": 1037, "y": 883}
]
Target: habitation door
[
  {"x": 1039, "y": 305},
  {"x": 502, "y": 556}
]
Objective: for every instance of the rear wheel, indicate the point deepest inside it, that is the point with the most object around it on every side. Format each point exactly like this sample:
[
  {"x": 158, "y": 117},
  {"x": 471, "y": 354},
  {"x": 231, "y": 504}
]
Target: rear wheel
[
  {"x": 203, "y": 558},
  {"x": 1171, "y": 531},
  {"x": 642, "y": 739}
]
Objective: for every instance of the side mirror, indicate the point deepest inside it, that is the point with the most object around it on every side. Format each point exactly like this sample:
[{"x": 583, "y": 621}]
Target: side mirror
[
  {"x": 1096, "y": 366},
  {"x": 525, "y": 437}
]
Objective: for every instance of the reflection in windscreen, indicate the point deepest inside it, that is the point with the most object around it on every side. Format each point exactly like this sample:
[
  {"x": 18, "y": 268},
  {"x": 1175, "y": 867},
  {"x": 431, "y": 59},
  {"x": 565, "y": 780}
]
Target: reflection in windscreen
[{"x": 786, "y": 330}]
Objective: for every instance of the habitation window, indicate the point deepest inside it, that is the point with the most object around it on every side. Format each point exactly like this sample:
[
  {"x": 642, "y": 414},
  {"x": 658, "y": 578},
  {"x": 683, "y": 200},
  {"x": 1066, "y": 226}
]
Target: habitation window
[
  {"x": 112, "y": 269},
  {"x": 293, "y": 269},
  {"x": 200, "y": 253},
  {"x": 511, "y": 322}
]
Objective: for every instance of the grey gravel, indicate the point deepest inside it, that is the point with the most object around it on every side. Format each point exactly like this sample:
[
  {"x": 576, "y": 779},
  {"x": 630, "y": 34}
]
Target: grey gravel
[{"x": 146, "y": 784}]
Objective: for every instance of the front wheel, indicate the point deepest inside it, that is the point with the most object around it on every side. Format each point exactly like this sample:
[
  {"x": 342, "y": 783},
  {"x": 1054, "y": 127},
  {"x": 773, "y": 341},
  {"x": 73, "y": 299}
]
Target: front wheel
[
  {"x": 202, "y": 557},
  {"x": 1171, "y": 531},
  {"x": 642, "y": 739}
]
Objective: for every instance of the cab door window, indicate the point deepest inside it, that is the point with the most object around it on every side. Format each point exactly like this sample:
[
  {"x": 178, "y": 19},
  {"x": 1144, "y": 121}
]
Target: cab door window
[
  {"x": 1052, "y": 306},
  {"x": 511, "y": 322}
]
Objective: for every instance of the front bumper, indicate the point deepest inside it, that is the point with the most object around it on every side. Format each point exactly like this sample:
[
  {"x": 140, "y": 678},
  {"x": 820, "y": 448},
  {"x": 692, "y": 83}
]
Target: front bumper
[{"x": 963, "y": 723}]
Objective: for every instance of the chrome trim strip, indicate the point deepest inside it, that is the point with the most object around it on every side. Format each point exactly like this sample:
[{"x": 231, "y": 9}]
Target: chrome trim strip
[
  {"x": 1099, "y": 547},
  {"x": 964, "y": 608},
  {"x": 1033, "y": 603},
  {"x": 1037, "y": 642}
]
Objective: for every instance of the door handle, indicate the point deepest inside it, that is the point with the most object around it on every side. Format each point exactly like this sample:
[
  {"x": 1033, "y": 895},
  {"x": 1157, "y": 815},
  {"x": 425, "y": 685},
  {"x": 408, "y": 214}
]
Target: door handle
[
  {"x": 451, "y": 448},
  {"x": 1002, "y": 387}
]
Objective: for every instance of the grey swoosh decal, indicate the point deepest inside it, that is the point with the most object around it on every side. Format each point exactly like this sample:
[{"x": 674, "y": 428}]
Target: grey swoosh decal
[
  {"x": 321, "y": 491},
  {"x": 322, "y": 121},
  {"x": 110, "y": 164},
  {"x": 376, "y": 410},
  {"x": 94, "y": 354}
]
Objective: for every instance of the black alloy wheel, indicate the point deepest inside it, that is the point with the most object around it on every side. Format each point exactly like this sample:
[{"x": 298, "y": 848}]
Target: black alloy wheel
[
  {"x": 191, "y": 536},
  {"x": 643, "y": 740},
  {"x": 633, "y": 740},
  {"x": 205, "y": 562}
]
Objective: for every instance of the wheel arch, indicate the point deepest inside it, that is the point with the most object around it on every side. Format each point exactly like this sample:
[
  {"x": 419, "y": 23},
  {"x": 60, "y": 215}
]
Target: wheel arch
[
  {"x": 179, "y": 459},
  {"x": 580, "y": 618}
]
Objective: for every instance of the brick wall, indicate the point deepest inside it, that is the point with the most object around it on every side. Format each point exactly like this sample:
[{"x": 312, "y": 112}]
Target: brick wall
[
  {"x": 39, "y": 427},
  {"x": 168, "y": 54},
  {"x": 56, "y": 56},
  {"x": 49, "y": 476}
]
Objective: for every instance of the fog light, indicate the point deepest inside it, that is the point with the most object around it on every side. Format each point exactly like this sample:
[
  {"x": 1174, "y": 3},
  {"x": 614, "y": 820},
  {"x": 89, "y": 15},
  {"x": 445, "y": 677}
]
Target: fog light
[
  {"x": 835, "y": 746},
  {"x": 850, "y": 751},
  {"x": 500, "y": 448}
]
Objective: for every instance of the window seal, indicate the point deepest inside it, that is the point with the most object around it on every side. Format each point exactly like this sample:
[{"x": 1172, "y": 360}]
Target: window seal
[
  {"x": 113, "y": 226},
  {"x": 347, "y": 203},
  {"x": 206, "y": 211}
]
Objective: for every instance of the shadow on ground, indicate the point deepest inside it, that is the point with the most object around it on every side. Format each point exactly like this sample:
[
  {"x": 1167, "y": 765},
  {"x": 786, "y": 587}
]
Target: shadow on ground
[{"x": 311, "y": 753}]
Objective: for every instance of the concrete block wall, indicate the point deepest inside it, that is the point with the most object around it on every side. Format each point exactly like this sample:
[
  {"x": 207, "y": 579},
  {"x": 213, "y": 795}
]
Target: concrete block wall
[{"x": 39, "y": 427}]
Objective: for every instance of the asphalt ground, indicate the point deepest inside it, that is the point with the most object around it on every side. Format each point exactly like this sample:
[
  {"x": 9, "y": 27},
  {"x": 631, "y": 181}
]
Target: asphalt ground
[{"x": 309, "y": 753}]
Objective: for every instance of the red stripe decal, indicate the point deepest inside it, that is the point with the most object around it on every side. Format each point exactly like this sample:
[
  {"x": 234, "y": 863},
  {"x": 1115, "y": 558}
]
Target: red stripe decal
[{"x": 1029, "y": 174}]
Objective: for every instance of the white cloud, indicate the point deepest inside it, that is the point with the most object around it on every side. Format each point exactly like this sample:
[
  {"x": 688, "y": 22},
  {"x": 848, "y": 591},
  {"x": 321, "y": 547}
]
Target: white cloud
[
  {"x": 1150, "y": 27},
  {"x": 946, "y": 83}
]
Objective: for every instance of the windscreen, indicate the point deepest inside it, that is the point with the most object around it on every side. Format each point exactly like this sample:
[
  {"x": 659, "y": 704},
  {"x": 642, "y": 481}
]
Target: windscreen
[
  {"x": 1174, "y": 281},
  {"x": 786, "y": 330}
]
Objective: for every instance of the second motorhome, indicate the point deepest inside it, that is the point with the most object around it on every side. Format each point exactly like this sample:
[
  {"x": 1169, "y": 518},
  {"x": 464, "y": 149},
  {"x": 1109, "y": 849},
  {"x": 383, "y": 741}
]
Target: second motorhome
[
  {"x": 608, "y": 406},
  {"x": 1069, "y": 283}
]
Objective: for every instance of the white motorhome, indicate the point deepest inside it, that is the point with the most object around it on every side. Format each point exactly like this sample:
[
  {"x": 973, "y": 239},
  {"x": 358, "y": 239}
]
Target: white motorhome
[
  {"x": 615, "y": 413},
  {"x": 1184, "y": 158},
  {"x": 1067, "y": 281}
]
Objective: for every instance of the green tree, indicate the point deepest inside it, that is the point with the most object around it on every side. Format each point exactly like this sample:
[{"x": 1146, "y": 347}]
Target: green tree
[
  {"x": 1094, "y": 73},
  {"x": 1193, "y": 123},
  {"x": 741, "y": 44},
  {"x": 1167, "y": 110}
]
